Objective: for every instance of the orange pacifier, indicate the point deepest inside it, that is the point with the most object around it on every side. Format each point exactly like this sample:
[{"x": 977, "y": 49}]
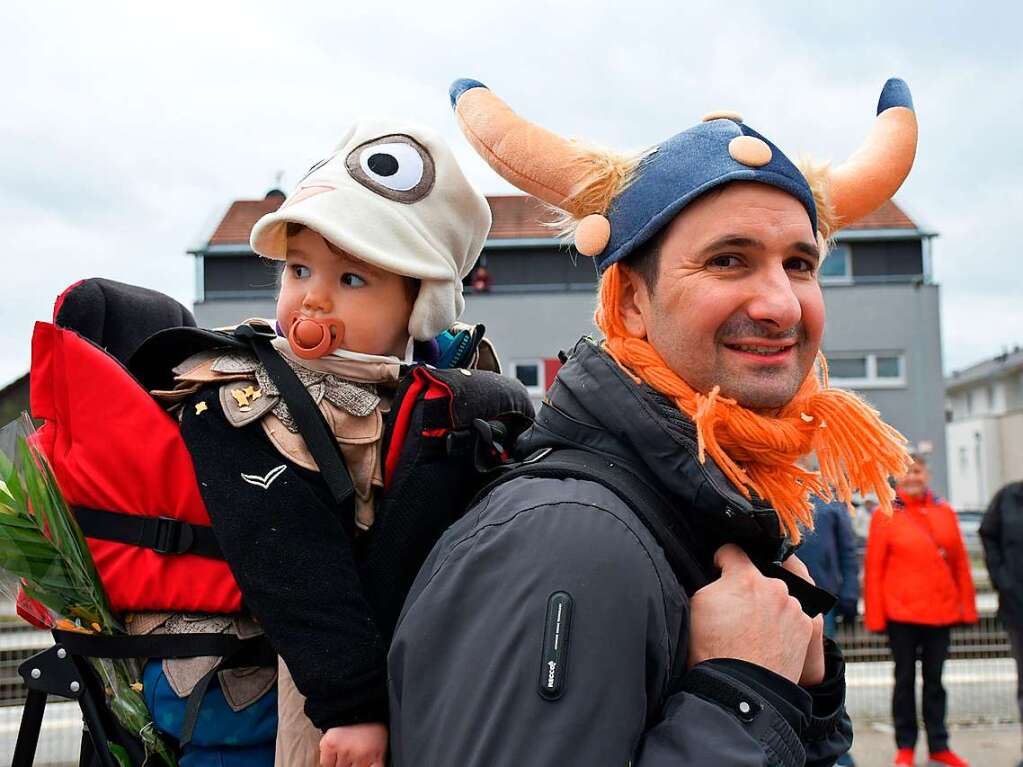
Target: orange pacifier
[{"x": 313, "y": 338}]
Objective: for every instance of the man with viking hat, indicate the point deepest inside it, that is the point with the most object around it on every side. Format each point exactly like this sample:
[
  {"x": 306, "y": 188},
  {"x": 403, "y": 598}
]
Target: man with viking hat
[{"x": 610, "y": 603}]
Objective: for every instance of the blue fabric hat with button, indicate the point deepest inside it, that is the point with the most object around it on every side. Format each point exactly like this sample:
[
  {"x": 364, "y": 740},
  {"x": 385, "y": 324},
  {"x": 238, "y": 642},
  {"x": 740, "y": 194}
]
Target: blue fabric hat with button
[{"x": 617, "y": 202}]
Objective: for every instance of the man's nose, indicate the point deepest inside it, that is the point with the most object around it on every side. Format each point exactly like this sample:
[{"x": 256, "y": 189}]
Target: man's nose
[{"x": 773, "y": 300}]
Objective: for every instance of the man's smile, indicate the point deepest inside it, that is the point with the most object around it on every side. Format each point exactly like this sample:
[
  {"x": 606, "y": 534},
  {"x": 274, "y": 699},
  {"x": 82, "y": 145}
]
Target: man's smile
[{"x": 763, "y": 350}]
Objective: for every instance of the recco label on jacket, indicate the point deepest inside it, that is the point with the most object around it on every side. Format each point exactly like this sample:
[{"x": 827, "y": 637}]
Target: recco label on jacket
[{"x": 554, "y": 659}]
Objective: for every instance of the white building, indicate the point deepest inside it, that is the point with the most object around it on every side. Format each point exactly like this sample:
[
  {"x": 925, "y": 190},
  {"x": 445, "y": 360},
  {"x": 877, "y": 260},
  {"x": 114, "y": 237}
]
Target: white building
[{"x": 984, "y": 433}]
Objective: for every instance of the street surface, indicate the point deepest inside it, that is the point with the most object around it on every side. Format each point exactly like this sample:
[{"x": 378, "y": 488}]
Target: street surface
[{"x": 978, "y": 689}]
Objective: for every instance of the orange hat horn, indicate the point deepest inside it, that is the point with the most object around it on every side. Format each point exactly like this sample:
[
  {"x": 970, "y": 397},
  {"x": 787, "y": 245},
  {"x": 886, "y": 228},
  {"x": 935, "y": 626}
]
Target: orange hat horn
[
  {"x": 530, "y": 157},
  {"x": 870, "y": 177}
]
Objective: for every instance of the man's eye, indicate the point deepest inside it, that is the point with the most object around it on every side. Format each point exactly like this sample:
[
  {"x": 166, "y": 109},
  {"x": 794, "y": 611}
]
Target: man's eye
[
  {"x": 725, "y": 262},
  {"x": 300, "y": 271},
  {"x": 352, "y": 280},
  {"x": 800, "y": 265}
]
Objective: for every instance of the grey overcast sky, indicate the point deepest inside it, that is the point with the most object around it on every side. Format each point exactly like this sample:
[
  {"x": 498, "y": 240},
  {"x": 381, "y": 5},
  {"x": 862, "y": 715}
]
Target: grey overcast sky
[{"x": 127, "y": 128}]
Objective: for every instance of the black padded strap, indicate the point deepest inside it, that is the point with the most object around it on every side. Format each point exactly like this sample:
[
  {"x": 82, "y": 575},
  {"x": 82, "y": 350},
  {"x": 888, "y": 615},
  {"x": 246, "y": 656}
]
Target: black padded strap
[
  {"x": 161, "y": 534},
  {"x": 659, "y": 516},
  {"x": 652, "y": 508},
  {"x": 311, "y": 423},
  {"x": 157, "y": 645}
]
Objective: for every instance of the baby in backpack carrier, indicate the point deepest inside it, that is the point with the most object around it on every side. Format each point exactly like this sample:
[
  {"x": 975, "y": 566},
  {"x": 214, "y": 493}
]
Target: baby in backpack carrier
[{"x": 375, "y": 241}]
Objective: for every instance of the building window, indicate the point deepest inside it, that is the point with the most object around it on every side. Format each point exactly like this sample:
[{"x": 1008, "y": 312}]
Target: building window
[
  {"x": 889, "y": 367},
  {"x": 848, "y": 367},
  {"x": 530, "y": 374},
  {"x": 867, "y": 370},
  {"x": 837, "y": 267}
]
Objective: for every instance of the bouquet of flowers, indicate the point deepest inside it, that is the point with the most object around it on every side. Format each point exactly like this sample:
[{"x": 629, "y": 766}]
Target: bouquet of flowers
[{"x": 43, "y": 548}]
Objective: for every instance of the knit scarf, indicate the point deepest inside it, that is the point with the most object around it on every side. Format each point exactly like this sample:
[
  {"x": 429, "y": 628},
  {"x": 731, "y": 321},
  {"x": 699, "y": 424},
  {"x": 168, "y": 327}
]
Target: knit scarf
[{"x": 856, "y": 450}]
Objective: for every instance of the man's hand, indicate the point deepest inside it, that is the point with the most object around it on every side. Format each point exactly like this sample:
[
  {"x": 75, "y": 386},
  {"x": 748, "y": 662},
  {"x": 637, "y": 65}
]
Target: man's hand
[
  {"x": 356, "y": 745},
  {"x": 748, "y": 616},
  {"x": 813, "y": 668}
]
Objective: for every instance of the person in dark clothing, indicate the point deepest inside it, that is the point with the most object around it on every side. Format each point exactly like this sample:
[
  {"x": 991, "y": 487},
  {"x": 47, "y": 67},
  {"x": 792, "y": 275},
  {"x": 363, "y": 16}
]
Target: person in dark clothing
[
  {"x": 1001, "y": 533},
  {"x": 548, "y": 627},
  {"x": 829, "y": 553}
]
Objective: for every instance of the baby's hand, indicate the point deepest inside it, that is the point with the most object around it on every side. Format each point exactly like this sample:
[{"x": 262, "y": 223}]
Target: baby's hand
[{"x": 356, "y": 745}]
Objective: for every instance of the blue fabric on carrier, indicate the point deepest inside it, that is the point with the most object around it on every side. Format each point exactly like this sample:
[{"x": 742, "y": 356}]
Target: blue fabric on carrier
[{"x": 222, "y": 737}]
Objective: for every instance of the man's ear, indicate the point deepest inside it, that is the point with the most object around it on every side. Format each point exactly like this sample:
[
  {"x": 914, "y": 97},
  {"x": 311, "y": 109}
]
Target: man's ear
[{"x": 634, "y": 302}]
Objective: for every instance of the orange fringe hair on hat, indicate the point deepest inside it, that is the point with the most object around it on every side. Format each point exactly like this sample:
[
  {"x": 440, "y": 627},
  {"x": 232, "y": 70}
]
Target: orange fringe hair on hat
[{"x": 857, "y": 451}]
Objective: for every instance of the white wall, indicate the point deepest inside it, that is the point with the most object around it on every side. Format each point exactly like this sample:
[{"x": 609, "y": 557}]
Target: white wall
[
  {"x": 974, "y": 461},
  {"x": 1012, "y": 447}
]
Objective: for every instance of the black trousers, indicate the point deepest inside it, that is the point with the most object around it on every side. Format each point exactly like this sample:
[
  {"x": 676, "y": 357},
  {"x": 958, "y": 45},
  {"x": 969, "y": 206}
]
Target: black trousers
[{"x": 929, "y": 644}]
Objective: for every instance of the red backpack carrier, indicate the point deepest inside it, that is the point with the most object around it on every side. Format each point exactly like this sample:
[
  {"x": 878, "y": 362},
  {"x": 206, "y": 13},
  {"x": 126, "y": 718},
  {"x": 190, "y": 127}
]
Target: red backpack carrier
[{"x": 114, "y": 449}]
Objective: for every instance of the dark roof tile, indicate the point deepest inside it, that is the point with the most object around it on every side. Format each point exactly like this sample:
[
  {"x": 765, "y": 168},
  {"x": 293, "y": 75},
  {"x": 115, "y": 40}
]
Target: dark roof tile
[{"x": 515, "y": 217}]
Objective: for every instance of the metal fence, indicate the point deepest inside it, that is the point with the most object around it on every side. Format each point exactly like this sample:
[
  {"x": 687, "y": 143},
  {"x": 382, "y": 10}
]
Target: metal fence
[{"x": 980, "y": 677}]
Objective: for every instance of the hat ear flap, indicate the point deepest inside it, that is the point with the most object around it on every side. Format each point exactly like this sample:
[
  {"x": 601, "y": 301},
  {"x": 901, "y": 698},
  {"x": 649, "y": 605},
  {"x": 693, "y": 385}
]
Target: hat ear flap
[{"x": 438, "y": 304}]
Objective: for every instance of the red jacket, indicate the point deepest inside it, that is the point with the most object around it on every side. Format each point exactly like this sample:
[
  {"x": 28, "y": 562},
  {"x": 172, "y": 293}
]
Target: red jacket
[{"x": 916, "y": 568}]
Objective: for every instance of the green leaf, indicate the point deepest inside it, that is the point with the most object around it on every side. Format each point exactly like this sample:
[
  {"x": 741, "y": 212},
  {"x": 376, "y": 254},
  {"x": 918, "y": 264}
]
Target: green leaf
[
  {"x": 75, "y": 549},
  {"x": 57, "y": 604},
  {"x": 15, "y": 518},
  {"x": 29, "y": 540},
  {"x": 120, "y": 754},
  {"x": 36, "y": 492}
]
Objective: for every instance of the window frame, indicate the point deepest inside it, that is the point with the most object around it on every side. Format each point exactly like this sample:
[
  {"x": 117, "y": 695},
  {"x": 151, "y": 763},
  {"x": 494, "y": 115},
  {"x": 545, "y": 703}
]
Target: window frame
[
  {"x": 872, "y": 379},
  {"x": 541, "y": 375},
  {"x": 839, "y": 279}
]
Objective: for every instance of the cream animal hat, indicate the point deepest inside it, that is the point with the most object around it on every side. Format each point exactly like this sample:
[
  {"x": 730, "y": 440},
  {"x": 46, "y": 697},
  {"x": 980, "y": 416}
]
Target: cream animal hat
[{"x": 391, "y": 194}]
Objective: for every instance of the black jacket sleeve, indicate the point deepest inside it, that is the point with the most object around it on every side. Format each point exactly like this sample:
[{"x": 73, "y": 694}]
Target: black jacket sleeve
[
  {"x": 848, "y": 562},
  {"x": 292, "y": 558},
  {"x": 991, "y": 538}
]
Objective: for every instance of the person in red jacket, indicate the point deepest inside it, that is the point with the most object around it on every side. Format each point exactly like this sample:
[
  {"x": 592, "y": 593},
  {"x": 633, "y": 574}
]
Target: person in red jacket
[{"x": 917, "y": 586}]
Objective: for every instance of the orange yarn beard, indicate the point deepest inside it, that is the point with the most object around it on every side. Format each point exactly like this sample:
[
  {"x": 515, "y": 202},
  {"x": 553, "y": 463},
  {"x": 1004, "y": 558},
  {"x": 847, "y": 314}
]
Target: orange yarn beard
[{"x": 856, "y": 450}]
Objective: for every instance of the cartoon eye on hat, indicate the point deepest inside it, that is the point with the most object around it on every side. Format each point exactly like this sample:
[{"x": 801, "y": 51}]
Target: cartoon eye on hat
[{"x": 396, "y": 167}]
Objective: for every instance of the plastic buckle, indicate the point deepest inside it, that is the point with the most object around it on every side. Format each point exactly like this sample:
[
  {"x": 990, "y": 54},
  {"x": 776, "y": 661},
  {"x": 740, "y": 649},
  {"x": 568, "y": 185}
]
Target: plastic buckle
[
  {"x": 246, "y": 332},
  {"x": 490, "y": 433},
  {"x": 171, "y": 536}
]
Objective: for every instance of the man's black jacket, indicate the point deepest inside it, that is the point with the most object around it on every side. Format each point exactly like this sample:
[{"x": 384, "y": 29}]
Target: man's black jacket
[{"x": 544, "y": 561}]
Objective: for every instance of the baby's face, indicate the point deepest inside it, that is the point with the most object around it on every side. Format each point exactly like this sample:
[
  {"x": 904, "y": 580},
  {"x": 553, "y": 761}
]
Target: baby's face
[{"x": 324, "y": 283}]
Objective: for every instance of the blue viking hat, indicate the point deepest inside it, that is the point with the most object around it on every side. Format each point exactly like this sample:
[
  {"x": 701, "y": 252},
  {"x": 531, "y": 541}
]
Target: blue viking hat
[{"x": 637, "y": 199}]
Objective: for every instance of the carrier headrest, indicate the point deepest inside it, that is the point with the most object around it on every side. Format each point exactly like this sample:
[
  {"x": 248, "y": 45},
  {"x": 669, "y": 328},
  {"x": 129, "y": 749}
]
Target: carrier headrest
[{"x": 117, "y": 316}]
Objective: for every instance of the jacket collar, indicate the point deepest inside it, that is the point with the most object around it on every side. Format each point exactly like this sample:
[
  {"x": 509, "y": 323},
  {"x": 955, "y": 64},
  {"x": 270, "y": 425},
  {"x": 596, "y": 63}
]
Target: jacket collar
[
  {"x": 595, "y": 405},
  {"x": 915, "y": 502}
]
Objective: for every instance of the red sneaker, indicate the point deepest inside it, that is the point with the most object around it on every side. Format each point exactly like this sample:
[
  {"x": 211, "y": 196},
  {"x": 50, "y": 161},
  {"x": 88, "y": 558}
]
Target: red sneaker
[
  {"x": 904, "y": 756},
  {"x": 949, "y": 759}
]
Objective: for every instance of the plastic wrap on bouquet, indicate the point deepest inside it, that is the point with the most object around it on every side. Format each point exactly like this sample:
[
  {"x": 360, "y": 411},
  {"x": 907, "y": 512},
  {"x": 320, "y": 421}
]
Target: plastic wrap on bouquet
[{"x": 43, "y": 552}]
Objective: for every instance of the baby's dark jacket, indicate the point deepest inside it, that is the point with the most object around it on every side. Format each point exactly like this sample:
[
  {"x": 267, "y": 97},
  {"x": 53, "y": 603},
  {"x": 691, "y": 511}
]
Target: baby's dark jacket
[{"x": 291, "y": 550}]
